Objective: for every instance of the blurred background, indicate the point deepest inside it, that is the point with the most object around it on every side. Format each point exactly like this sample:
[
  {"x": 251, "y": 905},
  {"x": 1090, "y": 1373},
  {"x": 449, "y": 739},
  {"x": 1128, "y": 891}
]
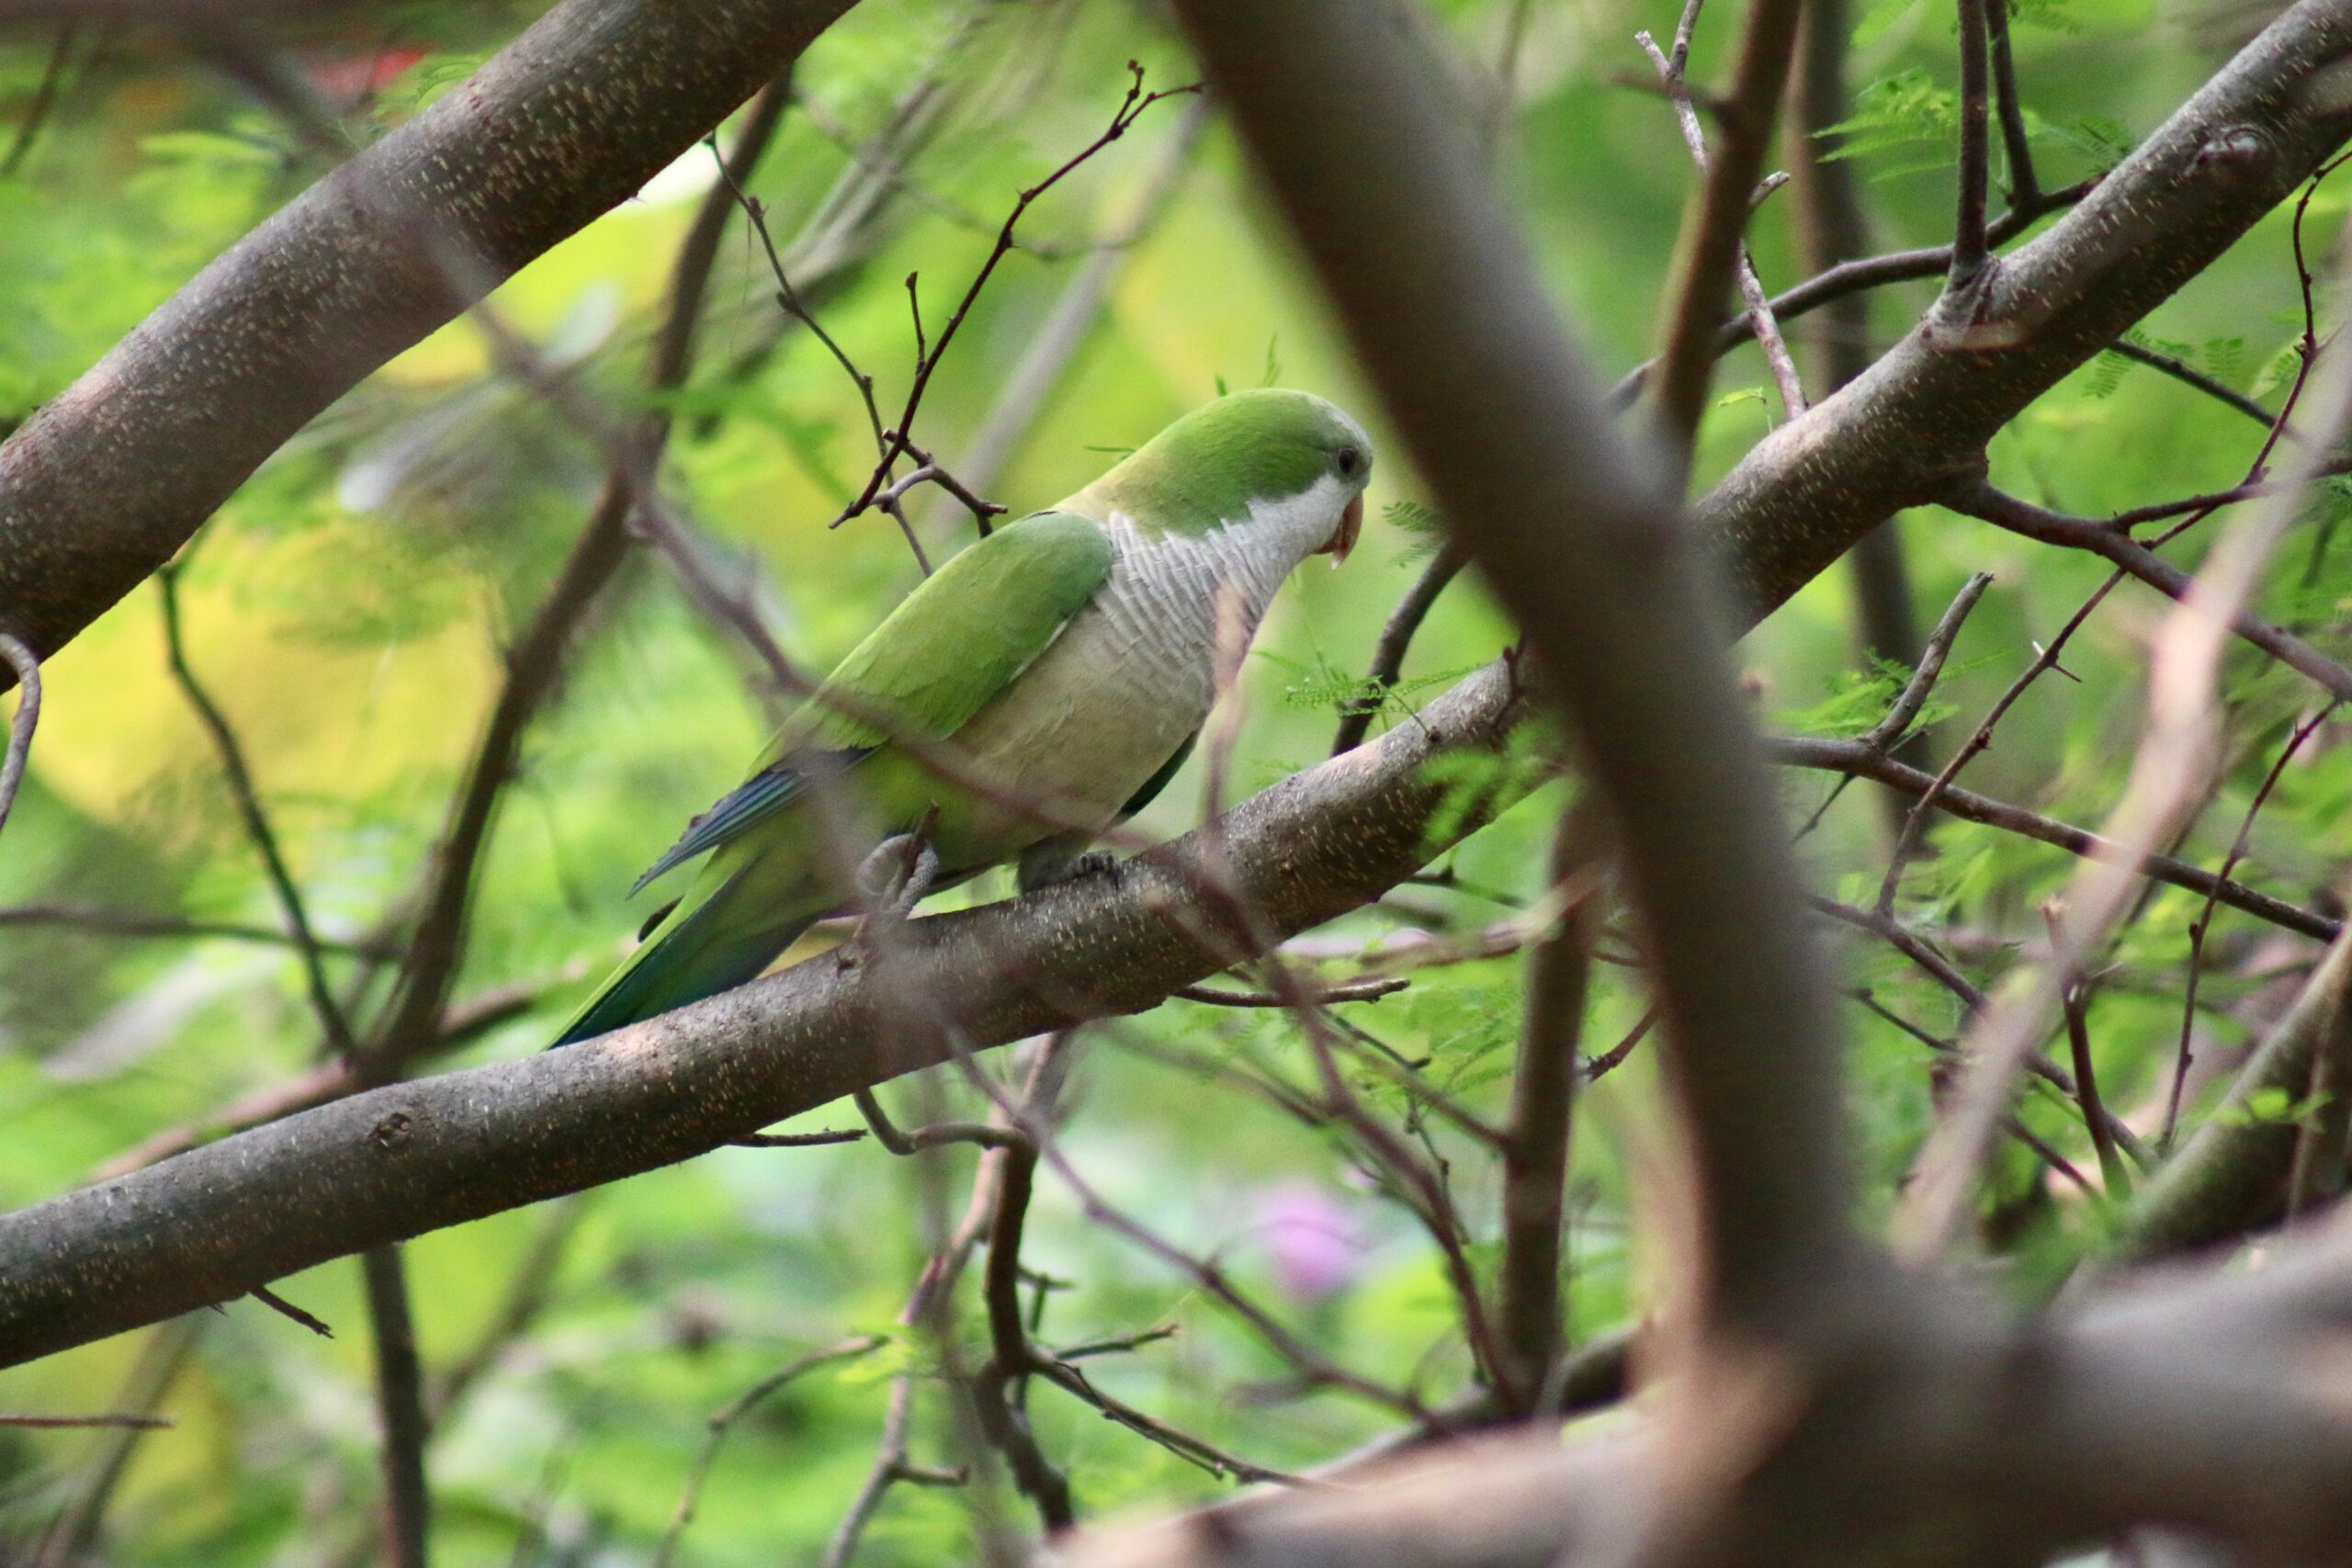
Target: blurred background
[{"x": 350, "y": 608}]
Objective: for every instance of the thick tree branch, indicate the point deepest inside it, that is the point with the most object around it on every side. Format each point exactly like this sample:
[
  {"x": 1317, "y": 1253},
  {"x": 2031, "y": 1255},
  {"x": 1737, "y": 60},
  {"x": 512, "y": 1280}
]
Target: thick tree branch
[
  {"x": 208, "y": 1225},
  {"x": 112, "y": 476},
  {"x": 1920, "y": 416},
  {"x": 1578, "y": 535}
]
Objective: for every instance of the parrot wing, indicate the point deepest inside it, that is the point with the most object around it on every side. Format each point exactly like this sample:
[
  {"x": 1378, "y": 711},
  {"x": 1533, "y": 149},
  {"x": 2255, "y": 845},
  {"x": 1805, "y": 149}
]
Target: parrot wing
[{"x": 963, "y": 636}]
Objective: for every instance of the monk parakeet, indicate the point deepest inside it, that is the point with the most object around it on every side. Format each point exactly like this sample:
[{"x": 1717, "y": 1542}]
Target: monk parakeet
[{"x": 1070, "y": 656}]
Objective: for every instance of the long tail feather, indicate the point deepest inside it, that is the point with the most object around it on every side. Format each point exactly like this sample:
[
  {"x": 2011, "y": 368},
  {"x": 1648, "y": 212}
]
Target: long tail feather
[{"x": 686, "y": 957}]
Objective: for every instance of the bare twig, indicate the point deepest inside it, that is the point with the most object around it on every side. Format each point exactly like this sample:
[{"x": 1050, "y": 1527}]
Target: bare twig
[
  {"x": 895, "y": 440},
  {"x": 1352, "y": 991},
  {"x": 1396, "y": 641},
  {"x": 1889, "y": 733},
  {"x": 2112, "y": 543},
  {"x": 44, "y": 100},
  {"x": 904, "y": 1142},
  {"x": 2024, "y": 189},
  {"x": 1970, "y": 249},
  {"x": 2086, "y": 1096},
  {"x": 289, "y": 1310},
  {"x": 1707, "y": 261},
  {"x": 20, "y": 658},
  {"x": 247, "y": 799},
  {"x": 1536, "y": 1153},
  {"x": 2198, "y": 929},
  {"x": 723, "y": 1419},
  {"x": 104, "y": 921},
  {"x": 1759, "y": 304},
  {"x": 1851, "y": 758}
]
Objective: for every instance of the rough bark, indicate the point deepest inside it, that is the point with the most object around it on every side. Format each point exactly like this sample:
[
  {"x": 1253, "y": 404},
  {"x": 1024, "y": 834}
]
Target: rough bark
[
  {"x": 209, "y": 1225},
  {"x": 1920, "y": 417},
  {"x": 107, "y": 479}
]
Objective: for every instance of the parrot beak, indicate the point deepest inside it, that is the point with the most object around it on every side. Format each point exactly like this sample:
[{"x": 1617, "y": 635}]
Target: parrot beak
[{"x": 1344, "y": 538}]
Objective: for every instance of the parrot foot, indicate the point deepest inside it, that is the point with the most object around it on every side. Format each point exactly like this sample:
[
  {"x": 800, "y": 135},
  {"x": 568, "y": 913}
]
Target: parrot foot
[
  {"x": 1055, "y": 860},
  {"x": 1093, "y": 862},
  {"x": 894, "y": 878}
]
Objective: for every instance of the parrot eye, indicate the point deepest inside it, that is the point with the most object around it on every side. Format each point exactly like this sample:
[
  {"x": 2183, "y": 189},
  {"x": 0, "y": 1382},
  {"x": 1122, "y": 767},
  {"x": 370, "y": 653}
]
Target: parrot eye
[{"x": 1347, "y": 460}]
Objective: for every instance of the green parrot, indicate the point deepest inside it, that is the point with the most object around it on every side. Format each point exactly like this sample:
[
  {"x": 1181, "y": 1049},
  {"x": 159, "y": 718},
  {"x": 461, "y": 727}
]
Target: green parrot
[{"x": 1068, "y": 656}]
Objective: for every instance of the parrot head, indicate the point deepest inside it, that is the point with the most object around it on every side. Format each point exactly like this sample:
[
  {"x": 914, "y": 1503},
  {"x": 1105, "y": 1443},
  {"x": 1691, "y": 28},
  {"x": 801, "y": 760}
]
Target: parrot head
[{"x": 1289, "y": 464}]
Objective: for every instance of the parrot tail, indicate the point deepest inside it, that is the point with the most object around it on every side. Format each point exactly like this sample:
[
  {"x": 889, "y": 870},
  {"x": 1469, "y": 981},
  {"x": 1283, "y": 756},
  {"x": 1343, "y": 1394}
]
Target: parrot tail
[{"x": 689, "y": 955}]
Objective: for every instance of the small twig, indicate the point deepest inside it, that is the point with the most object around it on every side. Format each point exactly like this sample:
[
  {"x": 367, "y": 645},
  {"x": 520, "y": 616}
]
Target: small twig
[
  {"x": 2189, "y": 374},
  {"x": 2086, "y": 1096},
  {"x": 2024, "y": 189},
  {"x": 1396, "y": 641},
  {"x": 1708, "y": 260},
  {"x": 2110, "y": 543},
  {"x": 2182, "y": 1056},
  {"x": 1851, "y": 278},
  {"x": 894, "y": 442},
  {"x": 36, "y": 113},
  {"x": 1119, "y": 1346},
  {"x": 904, "y": 1142},
  {"x": 118, "y": 1420},
  {"x": 1751, "y": 288},
  {"x": 1969, "y": 249},
  {"x": 285, "y": 1308},
  {"x": 104, "y": 921},
  {"x": 1890, "y": 731},
  {"x": 1855, "y": 760},
  {"x": 20, "y": 728},
  {"x": 257, "y": 827},
  {"x": 724, "y": 1418},
  {"x": 914, "y": 309},
  {"x": 798, "y": 1140},
  {"x": 2045, "y": 658},
  {"x": 1354, "y": 991}
]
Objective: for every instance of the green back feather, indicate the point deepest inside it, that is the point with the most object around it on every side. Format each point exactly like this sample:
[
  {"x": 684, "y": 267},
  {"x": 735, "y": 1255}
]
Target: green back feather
[{"x": 956, "y": 640}]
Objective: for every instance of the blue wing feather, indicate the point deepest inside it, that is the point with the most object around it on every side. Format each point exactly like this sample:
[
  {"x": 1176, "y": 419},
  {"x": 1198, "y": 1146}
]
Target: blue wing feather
[{"x": 757, "y": 798}]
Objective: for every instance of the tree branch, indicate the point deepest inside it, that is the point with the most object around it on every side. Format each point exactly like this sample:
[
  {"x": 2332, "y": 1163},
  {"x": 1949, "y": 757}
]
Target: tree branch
[
  {"x": 113, "y": 475},
  {"x": 396, "y": 1162},
  {"x": 1920, "y": 416}
]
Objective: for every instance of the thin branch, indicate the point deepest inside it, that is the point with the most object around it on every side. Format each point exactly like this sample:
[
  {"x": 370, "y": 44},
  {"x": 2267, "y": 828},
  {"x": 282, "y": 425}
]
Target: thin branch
[
  {"x": 1535, "y": 1152},
  {"x": 1707, "y": 260},
  {"x": 722, "y": 1421},
  {"x": 2086, "y": 1096},
  {"x": 400, "y": 1405},
  {"x": 1890, "y": 732},
  {"x": 19, "y": 659},
  {"x": 1396, "y": 641},
  {"x": 1969, "y": 249},
  {"x": 1352, "y": 991},
  {"x": 36, "y": 113},
  {"x": 2189, "y": 374},
  {"x": 2024, "y": 189},
  {"x": 1767, "y": 331},
  {"x": 2198, "y": 929},
  {"x": 2110, "y": 543},
  {"x": 905, "y": 1143},
  {"x": 895, "y": 440},
  {"x": 247, "y": 800},
  {"x": 1859, "y": 762},
  {"x": 104, "y": 921}
]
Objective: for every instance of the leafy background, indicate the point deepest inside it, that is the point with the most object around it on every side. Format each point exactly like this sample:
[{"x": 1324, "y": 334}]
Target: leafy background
[{"x": 349, "y": 609}]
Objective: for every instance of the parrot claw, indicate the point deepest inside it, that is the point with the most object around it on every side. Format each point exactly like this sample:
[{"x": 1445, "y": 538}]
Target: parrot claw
[{"x": 893, "y": 879}]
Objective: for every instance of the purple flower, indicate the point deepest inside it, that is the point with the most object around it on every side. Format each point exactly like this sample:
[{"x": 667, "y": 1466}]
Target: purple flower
[{"x": 1312, "y": 1243}]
